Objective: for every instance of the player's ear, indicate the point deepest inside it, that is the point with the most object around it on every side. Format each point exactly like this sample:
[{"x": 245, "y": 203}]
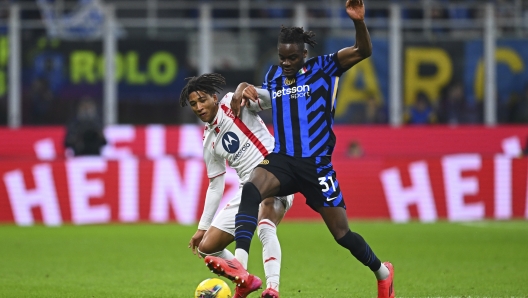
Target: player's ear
[
  {"x": 305, "y": 53},
  {"x": 215, "y": 99}
]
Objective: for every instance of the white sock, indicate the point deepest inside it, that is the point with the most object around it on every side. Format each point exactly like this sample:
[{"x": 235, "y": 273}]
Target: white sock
[
  {"x": 226, "y": 255},
  {"x": 382, "y": 273},
  {"x": 271, "y": 252},
  {"x": 241, "y": 256}
]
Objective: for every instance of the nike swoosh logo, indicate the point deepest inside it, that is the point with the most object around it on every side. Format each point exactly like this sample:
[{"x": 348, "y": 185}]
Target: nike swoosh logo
[{"x": 331, "y": 199}]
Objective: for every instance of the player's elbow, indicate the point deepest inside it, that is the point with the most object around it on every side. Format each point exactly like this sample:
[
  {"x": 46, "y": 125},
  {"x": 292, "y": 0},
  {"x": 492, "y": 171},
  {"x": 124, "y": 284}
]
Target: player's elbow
[
  {"x": 243, "y": 84},
  {"x": 366, "y": 55},
  {"x": 363, "y": 52},
  {"x": 366, "y": 52}
]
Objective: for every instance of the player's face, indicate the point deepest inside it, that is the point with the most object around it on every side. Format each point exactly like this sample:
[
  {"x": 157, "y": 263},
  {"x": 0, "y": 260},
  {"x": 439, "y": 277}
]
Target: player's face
[
  {"x": 204, "y": 105},
  {"x": 291, "y": 58}
]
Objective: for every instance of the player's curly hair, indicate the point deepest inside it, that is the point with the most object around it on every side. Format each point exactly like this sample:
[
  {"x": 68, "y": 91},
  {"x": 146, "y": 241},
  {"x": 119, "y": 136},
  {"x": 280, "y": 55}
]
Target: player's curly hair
[
  {"x": 296, "y": 35},
  {"x": 209, "y": 83}
]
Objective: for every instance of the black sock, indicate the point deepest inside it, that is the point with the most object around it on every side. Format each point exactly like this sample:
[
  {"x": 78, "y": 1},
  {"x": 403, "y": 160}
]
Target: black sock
[
  {"x": 246, "y": 218},
  {"x": 360, "y": 249}
]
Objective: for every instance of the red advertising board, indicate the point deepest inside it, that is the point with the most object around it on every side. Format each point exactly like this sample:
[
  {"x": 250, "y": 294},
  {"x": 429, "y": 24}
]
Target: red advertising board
[
  {"x": 156, "y": 174},
  {"x": 376, "y": 141}
]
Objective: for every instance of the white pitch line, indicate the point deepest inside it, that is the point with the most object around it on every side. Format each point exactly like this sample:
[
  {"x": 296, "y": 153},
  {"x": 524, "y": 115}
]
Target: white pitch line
[{"x": 496, "y": 225}]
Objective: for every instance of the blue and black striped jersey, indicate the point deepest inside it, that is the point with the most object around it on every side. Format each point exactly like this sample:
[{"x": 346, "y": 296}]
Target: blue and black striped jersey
[{"x": 303, "y": 111}]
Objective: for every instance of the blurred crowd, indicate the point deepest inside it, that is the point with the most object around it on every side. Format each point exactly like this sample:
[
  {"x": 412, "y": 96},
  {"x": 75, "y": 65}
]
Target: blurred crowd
[
  {"x": 451, "y": 108},
  {"x": 414, "y": 9},
  {"x": 459, "y": 10},
  {"x": 43, "y": 105}
]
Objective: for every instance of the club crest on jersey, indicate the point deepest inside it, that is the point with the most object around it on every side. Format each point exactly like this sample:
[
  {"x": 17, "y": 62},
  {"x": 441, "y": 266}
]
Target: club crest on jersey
[
  {"x": 288, "y": 81},
  {"x": 230, "y": 142}
]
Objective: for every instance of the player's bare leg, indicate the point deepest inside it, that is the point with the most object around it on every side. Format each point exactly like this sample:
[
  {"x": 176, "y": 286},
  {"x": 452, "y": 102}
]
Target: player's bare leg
[
  {"x": 337, "y": 222},
  {"x": 214, "y": 243}
]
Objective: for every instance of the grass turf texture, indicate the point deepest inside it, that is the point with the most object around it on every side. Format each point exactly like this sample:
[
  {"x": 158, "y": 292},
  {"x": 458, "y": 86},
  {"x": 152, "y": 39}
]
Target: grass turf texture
[{"x": 483, "y": 259}]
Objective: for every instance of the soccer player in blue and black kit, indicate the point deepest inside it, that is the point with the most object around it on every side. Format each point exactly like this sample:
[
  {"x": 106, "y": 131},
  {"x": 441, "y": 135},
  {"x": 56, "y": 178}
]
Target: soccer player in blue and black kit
[{"x": 303, "y": 98}]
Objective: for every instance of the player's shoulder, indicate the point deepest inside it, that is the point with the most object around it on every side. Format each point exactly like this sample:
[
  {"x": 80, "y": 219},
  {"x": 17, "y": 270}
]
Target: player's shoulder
[
  {"x": 227, "y": 98},
  {"x": 273, "y": 73},
  {"x": 318, "y": 61}
]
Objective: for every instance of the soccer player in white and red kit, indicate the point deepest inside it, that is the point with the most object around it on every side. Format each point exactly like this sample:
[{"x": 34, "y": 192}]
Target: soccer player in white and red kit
[{"x": 243, "y": 142}]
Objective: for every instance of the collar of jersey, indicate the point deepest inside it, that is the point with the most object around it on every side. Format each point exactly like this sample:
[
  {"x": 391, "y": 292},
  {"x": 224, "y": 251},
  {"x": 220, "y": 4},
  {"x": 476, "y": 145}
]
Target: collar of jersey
[
  {"x": 217, "y": 120},
  {"x": 301, "y": 71}
]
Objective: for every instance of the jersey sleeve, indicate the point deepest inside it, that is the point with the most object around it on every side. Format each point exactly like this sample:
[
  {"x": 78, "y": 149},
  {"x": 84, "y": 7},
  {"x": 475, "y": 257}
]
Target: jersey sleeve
[
  {"x": 329, "y": 64},
  {"x": 263, "y": 101},
  {"x": 213, "y": 197},
  {"x": 215, "y": 165}
]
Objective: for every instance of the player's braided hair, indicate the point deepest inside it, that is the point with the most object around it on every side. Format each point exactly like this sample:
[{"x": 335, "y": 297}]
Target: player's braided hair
[
  {"x": 296, "y": 35},
  {"x": 209, "y": 83}
]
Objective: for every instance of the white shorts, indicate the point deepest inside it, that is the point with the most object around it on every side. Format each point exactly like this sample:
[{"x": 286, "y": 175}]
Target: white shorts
[{"x": 225, "y": 219}]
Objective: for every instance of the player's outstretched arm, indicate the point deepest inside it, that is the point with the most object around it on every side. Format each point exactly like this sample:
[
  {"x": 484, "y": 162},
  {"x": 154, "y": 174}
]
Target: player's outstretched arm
[
  {"x": 257, "y": 99},
  {"x": 350, "y": 56},
  {"x": 247, "y": 95},
  {"x": 213, "y": 197}
]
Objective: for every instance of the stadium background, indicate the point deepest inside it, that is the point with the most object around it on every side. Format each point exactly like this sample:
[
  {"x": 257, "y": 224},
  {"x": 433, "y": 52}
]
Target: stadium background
[{"x": 459, "y": 157}]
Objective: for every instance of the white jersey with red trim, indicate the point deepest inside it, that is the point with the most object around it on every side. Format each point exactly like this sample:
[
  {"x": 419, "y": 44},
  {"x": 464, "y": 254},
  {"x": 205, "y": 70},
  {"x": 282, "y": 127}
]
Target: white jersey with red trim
[{"x": 243, "y": 142}]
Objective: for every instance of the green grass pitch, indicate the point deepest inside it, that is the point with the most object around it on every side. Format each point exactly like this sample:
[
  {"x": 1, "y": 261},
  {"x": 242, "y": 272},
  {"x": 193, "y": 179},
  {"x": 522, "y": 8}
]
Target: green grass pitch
[{"x": 481, "y": 259}]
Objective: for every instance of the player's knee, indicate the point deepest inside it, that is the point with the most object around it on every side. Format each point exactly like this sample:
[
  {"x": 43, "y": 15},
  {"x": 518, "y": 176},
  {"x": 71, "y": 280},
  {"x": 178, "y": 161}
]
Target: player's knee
[
  {"x": 338, "y": 228},
  {"x": 272, "y": 209},
  {"x": 339, "y": 233},
  {"x": 268, "y": 203},
  {"x": 206, "y": 249}
]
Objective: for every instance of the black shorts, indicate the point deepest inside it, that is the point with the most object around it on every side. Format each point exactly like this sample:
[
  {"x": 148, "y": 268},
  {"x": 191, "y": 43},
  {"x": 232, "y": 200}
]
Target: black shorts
[{"x": 314, "y": 177}]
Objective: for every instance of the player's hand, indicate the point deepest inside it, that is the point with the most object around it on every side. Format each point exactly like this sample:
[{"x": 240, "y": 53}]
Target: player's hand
[
  {"x": 195, "y": 241},
  {"x": 250, "y": 93},
  {"x": 355, "y": 10}
]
